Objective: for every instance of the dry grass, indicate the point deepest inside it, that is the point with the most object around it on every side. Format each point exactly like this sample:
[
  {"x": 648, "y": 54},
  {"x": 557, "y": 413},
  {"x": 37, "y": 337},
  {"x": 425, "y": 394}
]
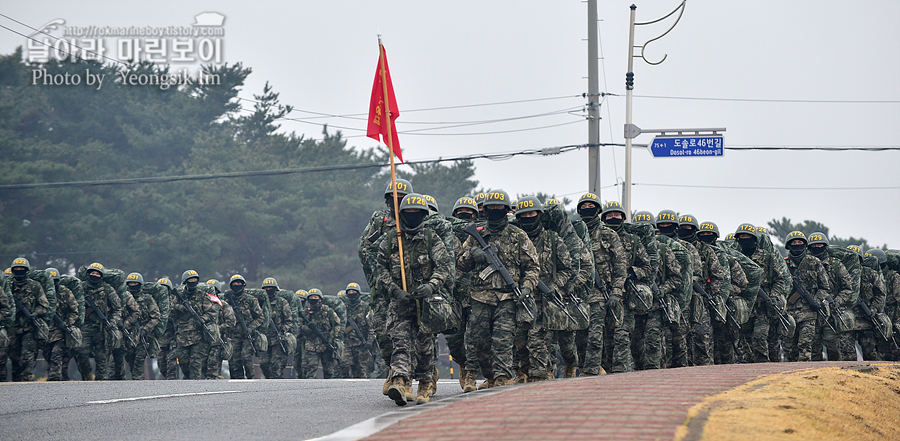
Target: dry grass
[{"x": 816, "y": 404}]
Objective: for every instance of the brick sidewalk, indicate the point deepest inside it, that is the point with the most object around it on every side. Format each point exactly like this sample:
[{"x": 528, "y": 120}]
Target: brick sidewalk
[{"x": 645, "y": 405}]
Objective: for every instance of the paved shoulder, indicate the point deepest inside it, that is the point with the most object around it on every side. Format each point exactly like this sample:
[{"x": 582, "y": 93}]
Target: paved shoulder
[{"x": 645, "y": 405}]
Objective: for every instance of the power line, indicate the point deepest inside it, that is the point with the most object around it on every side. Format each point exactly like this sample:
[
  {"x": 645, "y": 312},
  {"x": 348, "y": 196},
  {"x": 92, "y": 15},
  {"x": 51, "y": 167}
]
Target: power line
[
  {"x": 834, "y": 148},
  {"x": 761, "y": 100},
  {"x": 726, "y": 187},
  {"x": 244, "y": 174}
]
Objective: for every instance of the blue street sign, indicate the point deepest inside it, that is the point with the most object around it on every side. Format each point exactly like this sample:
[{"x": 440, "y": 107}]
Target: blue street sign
[{"x": 699, "y": 145}]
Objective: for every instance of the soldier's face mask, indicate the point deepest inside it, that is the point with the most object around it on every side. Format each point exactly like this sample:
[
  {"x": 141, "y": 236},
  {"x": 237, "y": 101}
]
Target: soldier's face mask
[
  {"x": 529, "y": 223},
  {"x": 134, "y": 287},
  {"x": 270, "y": 291},
  {"x": 192, "y": 283},
  {"x": 313, "y": 302},
  {"x": 797, "y": 248},
  {"x": 494, "y": 214},
  {"x": 19, "y": 273},
  {"x": 588, "y": 213},
  {"x": 747, "y": 243},
  {"x": 237, "y": 288},
  {"x": 94, "y": 278},
  {"x": 613, "y": 222},
  {"x": 353, "y": 295},
  {"x": 817, "y": 249},
  {"x": 667, "y": 229},
  {"x": 706, "y": 238},
  {"x": 465, "y": 215},
  {"x": 413, "y": 218},
  {"x": 685, "y": 233}
]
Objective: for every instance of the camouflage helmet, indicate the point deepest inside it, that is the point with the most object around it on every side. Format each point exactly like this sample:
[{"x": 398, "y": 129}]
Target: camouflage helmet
[
  {"x": 465, "y": 202},
  {"x": 301, "y": 293},
  {"x": 588, "y": 197},
  {"x": 97, "y": 267},
  {"x": 729, "y": 238},
  {"x": 552, "y": 201},
  {"x": 762, "y": 230},
  {"x": 431, "y": 202},
  {"x": 644, "y": 218},
  {"x": 479, "y": 199},
  {"x": 403, "y": 187},
  {"x": 216, "y": 285},
  {"x": 314, "y": 292},
  {"x": 817, "y": 237},
  {"x": 747, "y": 228},
  {"x": 54, "y": 273},
  {"x": 413, "y": 201},
  {"x": 688, "y": 219},
  {"x": 352, "y": 285},
  {"x": 710, "y": 227},
  {"x": 667, "y": 216},
  {"x": 134, "y": 278},
  {"x": 164, "y": 281},
  {"x": 7, "y": 271},
  {"x": 189, "y": 274},
  {"x": 793, "y": 235},
  {"x": 879, "y": 254},
  {"x": 856, "y": 249},
  {"x": 237, "y": 278},
  {"x": 270, "y": 282},
  {"x": 528, "y": 204},
  {"x": 498, "y": 197},
  {"x": 341, "y": 293},
  {"x": 22, "y": 262}
]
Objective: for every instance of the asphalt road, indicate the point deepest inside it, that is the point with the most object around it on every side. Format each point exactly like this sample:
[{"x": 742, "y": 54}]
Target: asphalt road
[{"x": 193, "y": 410}]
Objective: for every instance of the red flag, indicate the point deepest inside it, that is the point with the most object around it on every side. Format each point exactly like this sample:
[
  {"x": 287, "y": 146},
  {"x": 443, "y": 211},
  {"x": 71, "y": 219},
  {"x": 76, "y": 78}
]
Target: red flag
[{"x": 376, "y": 127}]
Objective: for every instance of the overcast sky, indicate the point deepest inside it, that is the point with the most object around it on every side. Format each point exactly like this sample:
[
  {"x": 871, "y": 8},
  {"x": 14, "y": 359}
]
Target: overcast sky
[{"x": 471, "y": 56}]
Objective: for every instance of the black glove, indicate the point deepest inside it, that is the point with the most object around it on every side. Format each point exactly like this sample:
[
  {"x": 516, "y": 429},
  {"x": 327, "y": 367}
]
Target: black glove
[
  {"x": 423, "y": 291},
  {"x": 401, "y": 295},
  {"x": 479, "y": 256}
]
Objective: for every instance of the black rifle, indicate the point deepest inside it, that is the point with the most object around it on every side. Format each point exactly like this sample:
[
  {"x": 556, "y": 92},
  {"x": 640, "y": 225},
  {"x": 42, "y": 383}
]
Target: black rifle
[
  {"x": 63, "y": 325},
  {"x": 190, "y": 308},
  {"x": 20, "y": 306},
  {"x": 603, "y": 290},
  {"x": 709, "y": 301},
  {"x": 808, "y": 298},
  {"x": 835, "y": 310},
  {"x": 240, "y": 317},
  {"x": 629, "y": 283},
  {"x": 871, "y": 317},
  {"x": 359, "y": 333},
  {"x": 315, "y": 330},
  {"x": 552, "y": 297},
  {"x": 658, "y": 294},
  {"x": 278, "y": 335},
  {"x": 497, "y": 265},
  {"x": 769, "y": 302},
  {"x": 89, "y": 301}
]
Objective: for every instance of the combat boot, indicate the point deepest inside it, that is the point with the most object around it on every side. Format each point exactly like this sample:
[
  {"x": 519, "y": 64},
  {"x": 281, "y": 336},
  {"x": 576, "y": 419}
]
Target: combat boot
[
  {"x": 570, "y": 372},
  {"x": 423, "y": 394},
  {"x": 486, "y": 384},
  {"x": 89, "y": 376},
  {"x": 501, "y": 381},
  {"x": 534, "y": 379},
  {"x": 521, "y": 377},
  {"x": 397, "y": 390},
  {"x": 387, "y": 385},
  {"x": 468, "y": 381},
  {"x": 409, "y": 390}
]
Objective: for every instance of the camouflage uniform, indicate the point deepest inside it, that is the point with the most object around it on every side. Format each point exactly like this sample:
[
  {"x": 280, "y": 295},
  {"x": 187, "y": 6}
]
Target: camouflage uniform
[
  {"x": 141, "y": 324},
  {"x": 872, "y": 292},
  {"x": 192, "y": 342},
  {"x": 94, "y": 330},
  {"x": 809, "y": 272},
  {"x": 357, "y": 347},
  {"x": 456, "y": 342},
  {"x": 556, "y": 270},
  {"x": 639, "y": 263},
  {"x": 226, "y": 324},
  {"x": 328, "y": 323},
  {"x": 7, "y": 320},
  {"x": 23, "y": 346},
  {"x": 715, "y": 280},
  {"x": 727, "y": 335},
  {"x": 379, "y": 225},
  {"x": 611, "y": 263},
  {"x": 647, "y": 339},
  {"x": 130, "y": 309},
  {"x": 56, "y": 350},
  {"x": 892, "y": 310},
  {"x": 676, "y": 348},
  {"x": 273, "y": 361},
  {"x": 839, "y": 345},
  {"x": 246, "y": 307},
  {"x": 776, "y": 283},
  {"x": 493, "y": 314}
]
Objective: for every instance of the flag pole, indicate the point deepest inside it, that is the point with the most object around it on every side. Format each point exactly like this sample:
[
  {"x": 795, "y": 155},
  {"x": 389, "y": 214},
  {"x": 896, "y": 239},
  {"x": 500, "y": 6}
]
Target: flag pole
[{"x": 390, "y": 143}]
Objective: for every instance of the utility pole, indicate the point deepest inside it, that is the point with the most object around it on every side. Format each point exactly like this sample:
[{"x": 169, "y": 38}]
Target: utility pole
[{"x": 593, "y": 97}]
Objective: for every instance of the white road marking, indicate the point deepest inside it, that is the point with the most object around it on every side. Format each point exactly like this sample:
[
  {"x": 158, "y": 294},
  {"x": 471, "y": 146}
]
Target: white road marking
[{"x": 153, "y": 397}]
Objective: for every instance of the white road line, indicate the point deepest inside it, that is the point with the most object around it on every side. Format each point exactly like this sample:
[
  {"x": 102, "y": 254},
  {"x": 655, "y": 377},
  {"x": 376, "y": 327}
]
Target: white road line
[{"x": 154, "y": 397}]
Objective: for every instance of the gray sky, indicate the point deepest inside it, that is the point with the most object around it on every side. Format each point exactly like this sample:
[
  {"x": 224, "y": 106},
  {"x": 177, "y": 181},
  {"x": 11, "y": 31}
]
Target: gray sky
[{"x": 321, "y": 57}]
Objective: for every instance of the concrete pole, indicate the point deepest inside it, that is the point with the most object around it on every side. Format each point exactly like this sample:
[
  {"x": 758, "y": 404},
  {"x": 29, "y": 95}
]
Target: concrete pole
[
  {"x": 629, "y": 76},
  {"x": 593, "y": 101}
]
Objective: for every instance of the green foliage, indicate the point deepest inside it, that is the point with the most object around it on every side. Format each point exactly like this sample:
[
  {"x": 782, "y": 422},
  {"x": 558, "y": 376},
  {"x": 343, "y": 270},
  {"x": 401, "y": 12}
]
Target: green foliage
[
  {"x": 300, "y": 228},
  {"x": 781, "y": 228}
]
